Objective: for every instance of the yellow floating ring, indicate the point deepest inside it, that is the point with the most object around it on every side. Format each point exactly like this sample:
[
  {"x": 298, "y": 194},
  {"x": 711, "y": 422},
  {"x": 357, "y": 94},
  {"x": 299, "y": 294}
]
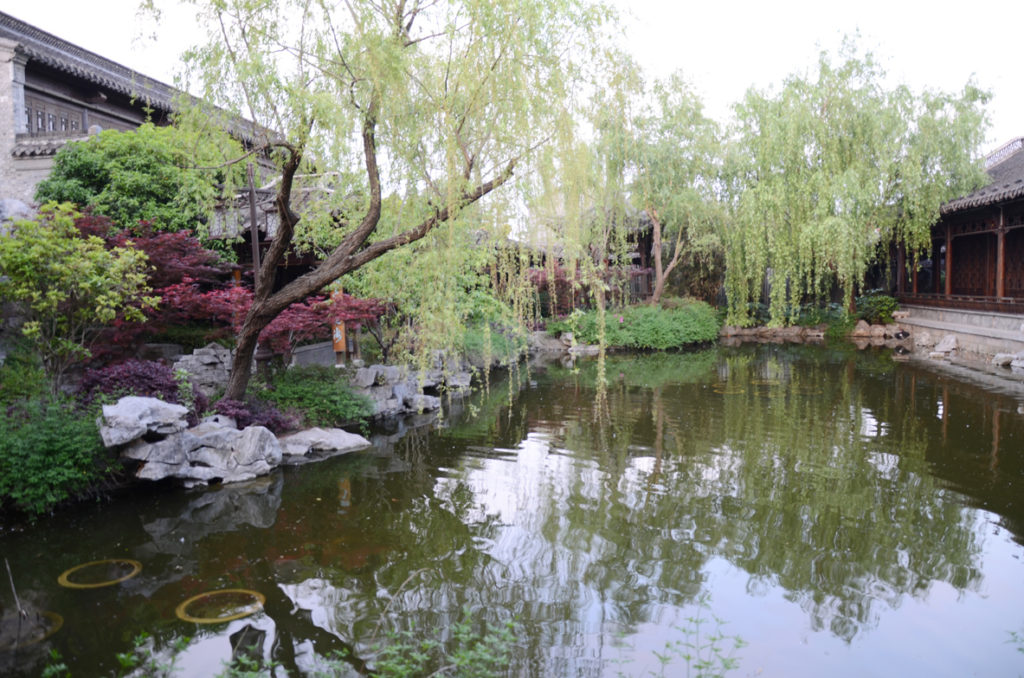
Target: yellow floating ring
[
  {"x": 725, "y": 389},
  {"x": 65, "y": 578},
  {"x": 258, "y": 597},
  {"x": 765, "y": 382},
  {"x": 58, "y": 621}
]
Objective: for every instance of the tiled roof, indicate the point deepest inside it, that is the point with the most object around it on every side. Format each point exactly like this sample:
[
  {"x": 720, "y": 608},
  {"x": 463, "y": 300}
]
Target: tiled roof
[
  {"x": 33, "y": 147},
  {"x": 63, "y": 56},
  {"x": 1006, "y": 168}
]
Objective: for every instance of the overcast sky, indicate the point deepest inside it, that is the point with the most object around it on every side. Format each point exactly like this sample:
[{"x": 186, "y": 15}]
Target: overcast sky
[{"x": 722, "y": 47}]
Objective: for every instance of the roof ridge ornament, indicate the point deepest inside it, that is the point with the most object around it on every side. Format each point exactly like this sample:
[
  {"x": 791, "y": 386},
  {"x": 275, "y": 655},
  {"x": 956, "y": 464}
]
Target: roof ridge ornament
[{"x": 1003, "y": 152}]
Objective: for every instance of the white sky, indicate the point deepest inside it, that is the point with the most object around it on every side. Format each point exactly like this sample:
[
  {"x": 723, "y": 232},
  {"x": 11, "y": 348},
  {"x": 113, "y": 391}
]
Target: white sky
[{"x": 723, "y": 47}]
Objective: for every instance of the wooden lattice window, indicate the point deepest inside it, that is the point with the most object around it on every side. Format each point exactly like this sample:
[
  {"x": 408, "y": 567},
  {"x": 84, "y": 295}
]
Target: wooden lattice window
[{"x": 47, "y": 117}]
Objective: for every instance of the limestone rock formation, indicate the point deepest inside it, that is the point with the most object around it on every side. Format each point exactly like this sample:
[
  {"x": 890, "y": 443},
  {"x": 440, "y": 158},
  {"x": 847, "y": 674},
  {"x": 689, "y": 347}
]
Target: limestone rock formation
[
  {"x": 132, "y": 417},
  {"x": 320, "y": 442}
]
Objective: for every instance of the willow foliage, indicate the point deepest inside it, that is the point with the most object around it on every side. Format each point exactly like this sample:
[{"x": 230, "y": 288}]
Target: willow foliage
[
  {"x": 832, "y": 170},
  {"x": 408, "y": 113}
]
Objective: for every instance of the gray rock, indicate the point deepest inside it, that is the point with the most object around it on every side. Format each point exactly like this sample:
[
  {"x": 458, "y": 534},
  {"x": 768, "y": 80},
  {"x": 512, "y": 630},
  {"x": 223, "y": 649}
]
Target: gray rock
[
  {"x": 585, "y": 349},
  {"x": 221, "y": 420},
  {"x": 404, "y": 389},
  {"x": 132, "y": 417},
  {"x": 1003, "y": 359},
  {"x": 172, "y": 451},
  {"x": 207, "y": 452},
  {"x": 567, "y": 339},
  {"x": 423, "y": 403},
  {"x": 878, "y": 332},
  {"x": 458, "y": 380},
  {"x": 323, "y": 441},
  {"x": 392, "y": 374},
  {"x": 365, "y": 377},
  {"x": 947, "y": 344},
  {"x": 208, "y": 367},
  {"x": 542, "y": 342},
  {"x": 937, "y": 355},
  {"x": 923, "y": 339},
  {"x": 861, "y": 329}
]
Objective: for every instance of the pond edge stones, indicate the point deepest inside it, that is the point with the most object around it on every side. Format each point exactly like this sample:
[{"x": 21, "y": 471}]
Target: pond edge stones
[{"x": 156, "y": 433}]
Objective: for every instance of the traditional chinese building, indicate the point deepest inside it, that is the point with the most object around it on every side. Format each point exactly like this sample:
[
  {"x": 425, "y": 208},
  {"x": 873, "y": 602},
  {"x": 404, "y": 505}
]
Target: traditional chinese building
[
  {"x": 52, "y": 91},
  {"x": 972, "y": 284}
]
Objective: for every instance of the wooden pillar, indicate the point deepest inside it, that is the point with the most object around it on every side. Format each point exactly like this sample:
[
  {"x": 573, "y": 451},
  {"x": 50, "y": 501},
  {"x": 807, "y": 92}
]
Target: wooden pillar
[
  {"x": 949, "y": 262},
  {"x": 1001, "y": 256}
]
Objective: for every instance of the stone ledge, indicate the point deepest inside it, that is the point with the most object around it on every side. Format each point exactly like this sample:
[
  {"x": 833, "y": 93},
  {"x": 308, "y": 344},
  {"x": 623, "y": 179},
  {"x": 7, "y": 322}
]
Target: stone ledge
[{"x": 988, "y": 332}]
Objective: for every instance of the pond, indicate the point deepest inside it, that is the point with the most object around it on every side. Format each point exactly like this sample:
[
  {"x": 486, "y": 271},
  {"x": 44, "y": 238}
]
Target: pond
[{"x": 842, "y": 513}]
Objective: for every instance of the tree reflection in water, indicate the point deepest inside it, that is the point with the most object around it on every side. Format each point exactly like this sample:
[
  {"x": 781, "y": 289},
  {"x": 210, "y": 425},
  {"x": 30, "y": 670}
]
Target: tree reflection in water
[{"x": 837, "y": 481}]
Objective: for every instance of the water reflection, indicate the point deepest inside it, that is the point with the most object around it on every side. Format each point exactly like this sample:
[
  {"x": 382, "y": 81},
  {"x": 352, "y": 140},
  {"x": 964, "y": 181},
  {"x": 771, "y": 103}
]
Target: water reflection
[{"x": 835, "y": 485}]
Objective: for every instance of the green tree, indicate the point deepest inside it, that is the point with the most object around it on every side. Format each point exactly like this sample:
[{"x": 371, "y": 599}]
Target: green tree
[
  {"x": 66, "y": 287},
  {"x": 148, "y": 174},
  {"x": 433, "y": 105},
  {"x": 832, "y": 170},
  {"x": 675, "y": 165}
]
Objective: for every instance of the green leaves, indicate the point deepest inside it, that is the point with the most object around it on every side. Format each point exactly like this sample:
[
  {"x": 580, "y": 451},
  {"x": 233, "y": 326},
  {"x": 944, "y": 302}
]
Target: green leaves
[
  {"x": 68, "y": 286},
  {"x": 832, "y": 169},
  {"x": 149, "y": 174}
]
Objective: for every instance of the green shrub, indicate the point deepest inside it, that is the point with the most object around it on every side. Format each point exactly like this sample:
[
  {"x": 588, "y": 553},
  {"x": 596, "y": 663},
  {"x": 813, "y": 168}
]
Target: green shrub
[
  {"x": 50, "y": 451},
  {"x": 876, "y": 308},
  {"x": 319, "y": 394},
  {"x": 22, "y": 376},
  {"x": 645, "y": 327}
]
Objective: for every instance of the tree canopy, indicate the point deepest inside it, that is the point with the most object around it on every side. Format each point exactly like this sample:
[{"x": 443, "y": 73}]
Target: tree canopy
[
  {"x": 149, "y": 174},
  {"x": 676, "y": 160},
  {"x": 430, "y": 105},
  {"x": 833, "y": 169},
  {"x": 66, "y": 286}
]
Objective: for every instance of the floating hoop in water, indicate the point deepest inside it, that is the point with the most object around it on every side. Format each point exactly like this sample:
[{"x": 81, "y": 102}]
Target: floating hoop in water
[
  {"x": 229, "y": 611},
  {"x": 726, "y": 389},
  {"x": 765, "y": 382},
  {"x": 32, "y": 635},
  {"x": 134, "y": 567}
]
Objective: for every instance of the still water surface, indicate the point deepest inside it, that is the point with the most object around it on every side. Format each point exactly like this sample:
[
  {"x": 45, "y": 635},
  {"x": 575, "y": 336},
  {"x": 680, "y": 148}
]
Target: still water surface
[{"x": 844, "y": 514}]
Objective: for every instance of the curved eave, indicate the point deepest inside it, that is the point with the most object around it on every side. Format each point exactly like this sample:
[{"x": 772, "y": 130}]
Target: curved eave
[{"x": 990, "y": 195}]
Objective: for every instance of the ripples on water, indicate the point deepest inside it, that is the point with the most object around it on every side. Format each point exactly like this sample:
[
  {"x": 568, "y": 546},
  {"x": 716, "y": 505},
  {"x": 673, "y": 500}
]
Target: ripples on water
[{"x": 846, "y": 516}]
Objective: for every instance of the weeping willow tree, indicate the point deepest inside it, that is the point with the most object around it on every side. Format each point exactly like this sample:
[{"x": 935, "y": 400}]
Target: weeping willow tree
[
  {"x": 832, "y": 170},
  {"x": 410, "y": 112}
]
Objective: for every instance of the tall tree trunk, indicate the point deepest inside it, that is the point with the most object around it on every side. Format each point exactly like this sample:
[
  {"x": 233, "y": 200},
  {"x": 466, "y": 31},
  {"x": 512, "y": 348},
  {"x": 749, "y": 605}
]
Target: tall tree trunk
[{"x": 661, "y": 272}]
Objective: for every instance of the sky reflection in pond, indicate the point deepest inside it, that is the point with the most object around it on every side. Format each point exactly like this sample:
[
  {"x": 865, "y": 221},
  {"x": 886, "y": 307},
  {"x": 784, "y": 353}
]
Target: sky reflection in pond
[{"x": 847, "y": 515}]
